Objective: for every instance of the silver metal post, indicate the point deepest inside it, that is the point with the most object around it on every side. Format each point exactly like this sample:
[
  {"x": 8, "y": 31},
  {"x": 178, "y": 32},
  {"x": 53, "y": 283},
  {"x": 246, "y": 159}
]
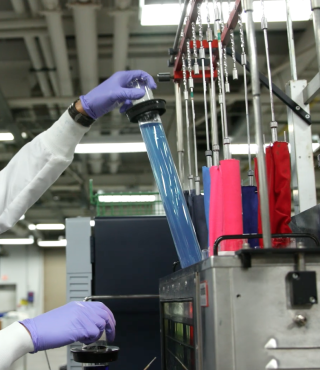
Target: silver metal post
[
  {"x": 273, "y": 123},
  {"x": 292, "y": 54},
  {"x": 180, "y": 148},
  {"x": 222, "y": 97},
  {"x": 213, "y": 106},
  {"x": 315, "y": 6},
  {"x": 195, "y": 53},
  {"x": 191, "y": 87},
  {"x": 208, "y": 152},
  {"x": 263, "y": 187},
  {"x": 243, "y": 63},
  {"x": 128, "y": 296},
  {"x": 186, "y": 98}
]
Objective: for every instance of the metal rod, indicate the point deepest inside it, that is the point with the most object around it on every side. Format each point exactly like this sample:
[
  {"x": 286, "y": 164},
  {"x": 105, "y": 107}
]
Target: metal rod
[
  {"x": 178, "y": 33},
  {"x": 180, "y": 148},
  {"x": 273, "y": 123},
  {"x": 315, "y": 5},
  {"x": 195, "y": 53},
  {"x": 222, "y": 97},
  {"x": 244, "y": 62},
  {"x": 263, "y": 187},
  {"x": 191, "y": 87},
  {"x": 186, "y": 98},
  {"x": 213, "y": 106},
  {"x": 128, "y": 296},
  {"x": 292, "y": 55},
  {"x": 202, "y": 57},
  {"x": 147, "y": 367}
]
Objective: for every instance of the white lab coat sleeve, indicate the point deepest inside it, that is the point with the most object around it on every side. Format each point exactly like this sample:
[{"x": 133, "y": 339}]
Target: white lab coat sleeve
[
  {"x": 15, "y": 342},
  {"x": 36, "y": 167}
]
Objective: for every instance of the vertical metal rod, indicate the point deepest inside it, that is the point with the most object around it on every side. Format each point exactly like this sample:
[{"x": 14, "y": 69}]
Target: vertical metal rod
[
  {"x": 180, "y": 148},
  {"x": 213, "y": 106},
  {"x": 273, "y": 123},
  {"x": 208, "y": 152},
  {"x": 191, "y": 87},
  {"x": 195, "y": 53},
  {"x": 222, "y": 97},
  {"x": 315, "y": 5},
  {"x": 186, "y": 98},
  {"x": 292, "y": 54},
  {"x": 263, "y": 187},
  {"x": 243, "y": 63}
]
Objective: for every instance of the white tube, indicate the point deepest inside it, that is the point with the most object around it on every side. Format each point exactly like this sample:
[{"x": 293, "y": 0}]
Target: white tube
[{"x": 59, "y": 46}]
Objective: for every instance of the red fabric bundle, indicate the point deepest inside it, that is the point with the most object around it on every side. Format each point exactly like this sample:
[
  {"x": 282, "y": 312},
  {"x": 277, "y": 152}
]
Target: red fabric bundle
[{"x": 278, "y": 178}]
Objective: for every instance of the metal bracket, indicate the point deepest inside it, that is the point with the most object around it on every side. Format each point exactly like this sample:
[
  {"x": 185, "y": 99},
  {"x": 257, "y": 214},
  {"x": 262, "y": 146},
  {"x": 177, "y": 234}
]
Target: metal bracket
[
  {"x": 312, "y": 89},
  {"x": 296, "y": 108},
  {"x": 303, "y": 288}
]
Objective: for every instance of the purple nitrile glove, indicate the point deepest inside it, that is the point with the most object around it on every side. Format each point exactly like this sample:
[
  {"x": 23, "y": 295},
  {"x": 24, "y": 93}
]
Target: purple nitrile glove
[
  {"x": 73, "y": 322},
  {"x": 103, "y": 98}
]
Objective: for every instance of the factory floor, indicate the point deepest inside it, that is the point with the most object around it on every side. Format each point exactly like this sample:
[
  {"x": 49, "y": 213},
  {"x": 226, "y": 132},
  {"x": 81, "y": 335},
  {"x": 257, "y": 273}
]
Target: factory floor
[{"x": 57, "y": 358}]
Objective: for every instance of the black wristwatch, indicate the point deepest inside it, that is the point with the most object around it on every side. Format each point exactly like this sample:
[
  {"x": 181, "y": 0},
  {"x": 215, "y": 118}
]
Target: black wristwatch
[{"x": 78, "y": 117}]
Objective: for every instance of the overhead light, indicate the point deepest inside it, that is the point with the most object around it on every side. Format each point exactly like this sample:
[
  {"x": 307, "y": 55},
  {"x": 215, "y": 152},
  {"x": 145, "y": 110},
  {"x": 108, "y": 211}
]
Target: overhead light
[
  {"x": 126, "y": 198},
  {"x": 19, "y": 241},
  {"x": 92, "y": 223},
  {"x": 52, "y": 243},
  {"x": 22, "y": 218},
  {"x": 111, "y": 148},
  {"x": 46, "y": 227},
  {"x": 6, "y": 136},
  {"x": 275, "y": 11},
  {"x": 242, "y": 149}
]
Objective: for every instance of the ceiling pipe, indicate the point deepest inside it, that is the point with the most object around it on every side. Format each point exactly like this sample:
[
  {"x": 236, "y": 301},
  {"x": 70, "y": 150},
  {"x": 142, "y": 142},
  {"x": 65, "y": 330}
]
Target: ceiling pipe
[
  {"x": 48, "y": 57},
  {"x": 87, "y": 43},
  {"x": 53, "y": 16},
  {"x": 120, "y": 55},
  {"x": 84, "y": 13},
  {"x": 36, "y": 60}
]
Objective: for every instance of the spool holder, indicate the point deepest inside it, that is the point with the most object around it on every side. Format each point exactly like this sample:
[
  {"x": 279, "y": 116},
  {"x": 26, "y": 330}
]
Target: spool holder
[
  {"x": 95, "y": 354},
  {"x": 154, "y": 105}
]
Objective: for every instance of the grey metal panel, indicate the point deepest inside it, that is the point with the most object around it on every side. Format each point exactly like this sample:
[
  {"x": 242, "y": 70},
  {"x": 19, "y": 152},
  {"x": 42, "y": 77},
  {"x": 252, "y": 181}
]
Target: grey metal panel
[
  {"x": 247, "y": 309},
  {"x": 79, "y": 270},
  {"x": 78, "y": 232}
]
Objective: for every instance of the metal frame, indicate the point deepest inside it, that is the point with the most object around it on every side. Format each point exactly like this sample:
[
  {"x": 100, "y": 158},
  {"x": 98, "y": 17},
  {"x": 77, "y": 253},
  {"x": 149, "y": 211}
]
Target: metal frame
[{"x": 290, "y": 103}]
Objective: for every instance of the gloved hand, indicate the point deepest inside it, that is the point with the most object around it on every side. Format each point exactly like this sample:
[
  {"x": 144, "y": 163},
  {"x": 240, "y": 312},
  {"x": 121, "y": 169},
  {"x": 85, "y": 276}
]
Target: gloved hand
[
  {"x": 103, "y": 98},
  {"x": 76, "y": 321}
]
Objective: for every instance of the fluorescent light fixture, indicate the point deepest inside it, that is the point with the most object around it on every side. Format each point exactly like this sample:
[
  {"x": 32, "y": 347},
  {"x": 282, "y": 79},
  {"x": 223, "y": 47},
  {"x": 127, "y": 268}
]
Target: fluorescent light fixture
[
  {"x": 46, "y": 227},
  {"x": 275, "y": 11},
  {"x": 92, "y": 223},
  {"x": 20, "y": 241},
  {"x": 6, "y": 136},
  {"x": 52, "y": 243},
  {"x": 242, "y": 149},
  {"x": 126, "y": 198},
  {"x": 111, "y": 148}
]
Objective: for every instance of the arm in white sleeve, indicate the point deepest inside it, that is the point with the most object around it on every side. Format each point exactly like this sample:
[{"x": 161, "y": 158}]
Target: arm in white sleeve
[
  {"x": 15, "y": 342},
  {"x": 36, "y": 167}
]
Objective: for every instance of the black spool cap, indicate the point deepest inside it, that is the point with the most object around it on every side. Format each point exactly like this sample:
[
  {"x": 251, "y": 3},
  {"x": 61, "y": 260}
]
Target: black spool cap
[
  {"x": 153, "y": 105},
  {"x": 95, "y": 354}
]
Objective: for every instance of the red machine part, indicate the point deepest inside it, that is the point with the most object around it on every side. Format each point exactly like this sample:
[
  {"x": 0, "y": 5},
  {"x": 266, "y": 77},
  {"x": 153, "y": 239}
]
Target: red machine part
[{"x": 225, "y": 38}]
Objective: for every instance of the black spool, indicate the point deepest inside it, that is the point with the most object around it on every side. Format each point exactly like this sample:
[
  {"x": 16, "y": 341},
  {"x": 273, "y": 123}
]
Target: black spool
[
  {"x": 95, "y": 354},
  {"x": 153, "y": 105}
]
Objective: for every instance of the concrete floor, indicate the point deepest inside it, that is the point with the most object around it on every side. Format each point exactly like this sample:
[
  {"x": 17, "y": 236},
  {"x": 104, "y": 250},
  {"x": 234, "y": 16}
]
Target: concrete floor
[{"x": 57, "y": 357}]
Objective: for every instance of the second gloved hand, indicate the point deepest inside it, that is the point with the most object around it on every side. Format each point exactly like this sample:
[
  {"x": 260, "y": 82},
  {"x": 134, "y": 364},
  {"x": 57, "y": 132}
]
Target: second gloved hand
[
  {"x": 76, "y": 321},
  {"x": 103, "y": 98}
]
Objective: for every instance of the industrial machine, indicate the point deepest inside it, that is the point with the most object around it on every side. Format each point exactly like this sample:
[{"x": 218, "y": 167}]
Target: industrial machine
[{"x": 253, "y": 303}]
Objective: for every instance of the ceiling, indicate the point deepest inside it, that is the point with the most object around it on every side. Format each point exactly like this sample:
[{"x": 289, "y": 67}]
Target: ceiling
[{"x": 33, "y": 96}]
